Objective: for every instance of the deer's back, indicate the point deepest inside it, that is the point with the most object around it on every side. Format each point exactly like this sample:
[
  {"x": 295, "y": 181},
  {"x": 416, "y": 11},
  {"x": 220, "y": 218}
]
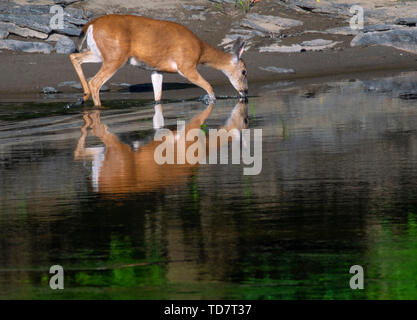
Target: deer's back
[{"x": 148, "y": 40}]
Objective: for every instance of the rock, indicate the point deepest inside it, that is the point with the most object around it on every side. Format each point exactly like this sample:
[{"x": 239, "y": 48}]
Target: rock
[
  {"x": 193, "y": 8},
  {"x": 3, "y": 34},
  {"x": 49, "y": 90},
  {"x": 23, "y": 32},
  {"x": 38, "y": 18},
  {"x": 410, "y": 22},
  {"x": 313, "y": 45},
  {"x": 34, "y": 22},
  {"x": 223, "y": 1},
  {"x": 329, "y": 7},
  {"x": 269, "y": 24},
  {"x": 283, "y": 49},
  {"x": 55, "y": 37},
  {"x": 24, "y": 46},
  {"x": 345, "y": 31},
  {"x": 66, "y": 2},
  {"x": 381, "y": 27},
  {"x": 316, "y": 42},
  {"x": 403, "y": 39},
  {"x": 200, "y": 17},
  {"x": 65, "y": 45},
  {"x": 277, "y": 70}
]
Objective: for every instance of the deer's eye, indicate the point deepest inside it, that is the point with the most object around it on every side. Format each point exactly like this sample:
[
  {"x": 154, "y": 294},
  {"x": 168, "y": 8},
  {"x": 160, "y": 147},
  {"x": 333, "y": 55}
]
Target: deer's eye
[{"x": 244, "y": 72}]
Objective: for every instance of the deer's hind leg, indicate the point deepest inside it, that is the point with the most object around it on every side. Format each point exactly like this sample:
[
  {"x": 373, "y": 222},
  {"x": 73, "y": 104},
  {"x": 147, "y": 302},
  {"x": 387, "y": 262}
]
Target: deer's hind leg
[
  {"x": 107, "y": 70},
  {"x": 77, "y": 60}
]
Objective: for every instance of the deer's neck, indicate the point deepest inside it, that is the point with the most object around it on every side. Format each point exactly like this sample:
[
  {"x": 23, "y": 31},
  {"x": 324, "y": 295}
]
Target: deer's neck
[{"x": 215, "y": 58}]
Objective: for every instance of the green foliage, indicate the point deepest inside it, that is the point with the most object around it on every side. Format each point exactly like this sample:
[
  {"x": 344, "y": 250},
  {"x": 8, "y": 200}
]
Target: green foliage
[{"x": 243, "y": 4}]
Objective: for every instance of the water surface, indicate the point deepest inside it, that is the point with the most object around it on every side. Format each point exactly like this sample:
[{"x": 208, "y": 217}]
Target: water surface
[{"x": 337, "y": 188}]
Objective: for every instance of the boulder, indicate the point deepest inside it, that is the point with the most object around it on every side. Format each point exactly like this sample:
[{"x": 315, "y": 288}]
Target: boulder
[
  {"x": 23, "y": 32},
  {"x": 403, "y": 39},
  {"x": 268, "y": 24},
  {"x": 411, "y": 21},
  {"x": 16, "y": 45},
  {"x": 65, "y": 45},
  {"x": 66, "y": 2},
  {"x": 312, "y": 45},
  {"x": 38, "y": 18}
]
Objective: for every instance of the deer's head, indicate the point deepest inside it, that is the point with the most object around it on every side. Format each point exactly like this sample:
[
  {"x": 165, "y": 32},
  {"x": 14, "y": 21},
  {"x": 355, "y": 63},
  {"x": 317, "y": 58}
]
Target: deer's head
[{"x": 236, "y": 69}]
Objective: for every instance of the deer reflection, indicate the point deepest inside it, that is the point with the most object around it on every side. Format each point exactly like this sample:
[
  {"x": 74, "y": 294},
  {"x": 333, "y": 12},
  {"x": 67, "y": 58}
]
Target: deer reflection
[{"x": 119, "y": 168}]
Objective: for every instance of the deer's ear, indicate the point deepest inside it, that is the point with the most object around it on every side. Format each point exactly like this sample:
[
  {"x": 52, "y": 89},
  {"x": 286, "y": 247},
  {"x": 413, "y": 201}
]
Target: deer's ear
[{"x": 238, "y": 49}]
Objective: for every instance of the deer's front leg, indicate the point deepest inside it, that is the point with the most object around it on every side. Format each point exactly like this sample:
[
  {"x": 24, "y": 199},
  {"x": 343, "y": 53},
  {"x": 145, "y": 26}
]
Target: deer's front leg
[
  {"x": 197, "y": 79},
  {"x": 157, "y": 85}
]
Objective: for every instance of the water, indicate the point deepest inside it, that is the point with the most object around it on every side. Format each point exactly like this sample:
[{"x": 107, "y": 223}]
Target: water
[{"x": 337, "y": 188}]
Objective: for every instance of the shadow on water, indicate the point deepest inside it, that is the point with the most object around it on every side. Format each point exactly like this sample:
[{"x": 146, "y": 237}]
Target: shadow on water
[{"x": 337, "y": 188}]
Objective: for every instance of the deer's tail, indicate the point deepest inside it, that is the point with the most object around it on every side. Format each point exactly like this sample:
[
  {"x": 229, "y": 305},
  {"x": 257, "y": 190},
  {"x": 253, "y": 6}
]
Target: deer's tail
[{"x": 81, "y": 37}]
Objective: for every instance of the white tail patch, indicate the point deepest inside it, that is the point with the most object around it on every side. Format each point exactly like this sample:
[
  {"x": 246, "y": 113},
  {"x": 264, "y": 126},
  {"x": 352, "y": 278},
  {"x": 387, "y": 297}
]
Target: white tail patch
[{"x": 92, "y": 44}]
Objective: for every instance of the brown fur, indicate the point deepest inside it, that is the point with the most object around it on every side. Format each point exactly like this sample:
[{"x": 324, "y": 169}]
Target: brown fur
[
  {"x": 125, "y": 170},
  {"x": 159, "y": 44}
]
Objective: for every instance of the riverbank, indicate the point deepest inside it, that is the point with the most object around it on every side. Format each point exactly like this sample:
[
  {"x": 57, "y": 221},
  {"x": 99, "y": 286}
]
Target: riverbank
[{"x": 284, "y": 42}]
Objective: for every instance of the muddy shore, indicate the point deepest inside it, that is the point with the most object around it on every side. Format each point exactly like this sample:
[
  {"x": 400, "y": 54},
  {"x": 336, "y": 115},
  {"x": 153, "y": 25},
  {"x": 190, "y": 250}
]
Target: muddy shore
[{"x": 24, "y": 75}]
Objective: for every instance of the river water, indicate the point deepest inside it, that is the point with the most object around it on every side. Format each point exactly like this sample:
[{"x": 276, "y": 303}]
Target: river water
[{"x": 78, "y": 188}]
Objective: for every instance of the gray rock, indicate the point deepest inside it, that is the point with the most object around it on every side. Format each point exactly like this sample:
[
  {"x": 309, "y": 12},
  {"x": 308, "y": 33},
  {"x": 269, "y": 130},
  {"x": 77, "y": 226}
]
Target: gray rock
[
  {"x": 193, "y": 8},
  {"x": 403, "y": 39},
  {"x": 16, "y": 45},
  {"x": 66, "y": 2},
  {"x": 200, "y": 17},
  {"x": 313, "y": 45},
  {"x": 329, "y": 7},
  {"x": 345, "y": 31},
  {"x": 269, "y": 24},
  {"x": 411, "y": 22},
  {"x": 65, "y": 45},
  {"x": 38, "y": 18},
  {"x": 3, "y": 34},
  {"x": 34, "y": 22},
  {"x": 23, "y": 32},
  {"x": 316, "y": 42},
  {"x": 223, "y": 1},
  {"x": 277, "y": 70},
  {"x": 49, "y": 90},
  {"x": 55, "y": 37},
  {"x": 381, "y": 27}
]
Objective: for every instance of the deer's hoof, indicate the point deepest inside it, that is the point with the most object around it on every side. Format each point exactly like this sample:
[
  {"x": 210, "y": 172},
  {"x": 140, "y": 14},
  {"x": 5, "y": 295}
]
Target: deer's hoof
[{"x": 207, "y": 99}]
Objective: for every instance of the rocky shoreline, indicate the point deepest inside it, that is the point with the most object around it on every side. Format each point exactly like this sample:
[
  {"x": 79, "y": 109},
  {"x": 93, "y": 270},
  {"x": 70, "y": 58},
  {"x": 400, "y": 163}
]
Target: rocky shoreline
[{"x": 274, "y": 27}]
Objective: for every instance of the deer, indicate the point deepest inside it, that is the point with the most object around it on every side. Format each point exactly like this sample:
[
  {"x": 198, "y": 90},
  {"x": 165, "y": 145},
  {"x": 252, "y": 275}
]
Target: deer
[
  {"x": 154, "y": 45},
  {"x": 121, "y": 168}
]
